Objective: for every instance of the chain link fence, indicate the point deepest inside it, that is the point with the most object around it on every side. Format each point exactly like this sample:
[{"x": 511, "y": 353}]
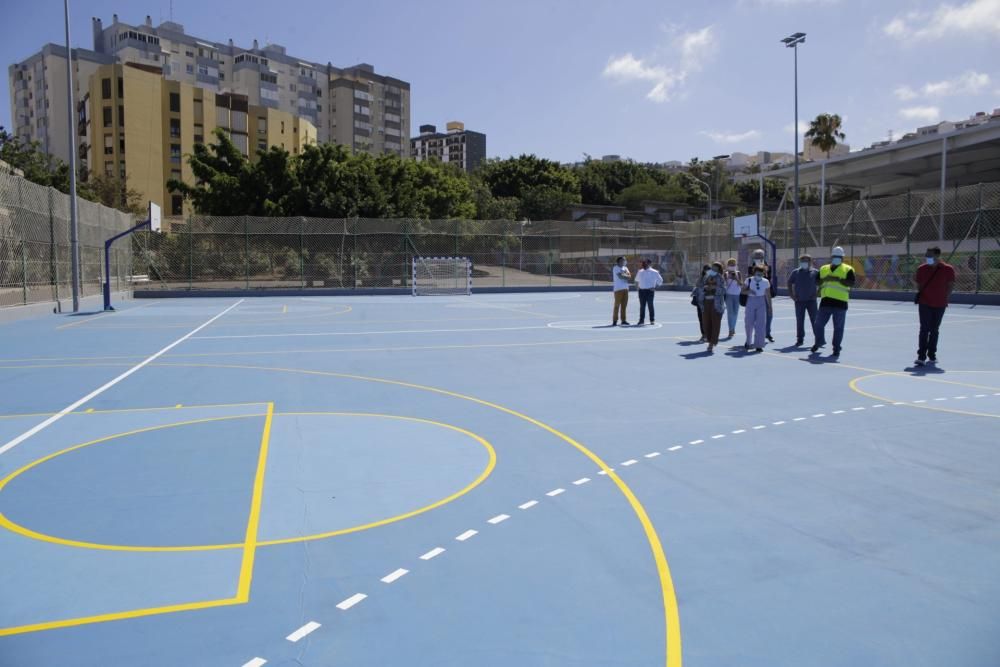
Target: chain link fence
[
  {"x": 885, "y": 240},
  {"x": 35, "y": 261}
]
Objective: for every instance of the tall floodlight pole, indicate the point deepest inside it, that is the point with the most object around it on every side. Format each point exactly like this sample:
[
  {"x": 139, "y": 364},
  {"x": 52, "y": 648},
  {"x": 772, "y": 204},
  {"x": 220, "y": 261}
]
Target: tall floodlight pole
[
  {"x": 792, "y": 42},
  {"x": 74, "y": 238}
]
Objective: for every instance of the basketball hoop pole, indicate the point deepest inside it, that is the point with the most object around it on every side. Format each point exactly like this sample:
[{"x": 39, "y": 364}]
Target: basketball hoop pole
[{"x": 107, "y": 258}]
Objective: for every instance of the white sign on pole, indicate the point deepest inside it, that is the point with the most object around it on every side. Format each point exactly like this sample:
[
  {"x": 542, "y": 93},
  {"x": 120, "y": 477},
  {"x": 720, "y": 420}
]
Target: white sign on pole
[{"x": 154, "y": 217}]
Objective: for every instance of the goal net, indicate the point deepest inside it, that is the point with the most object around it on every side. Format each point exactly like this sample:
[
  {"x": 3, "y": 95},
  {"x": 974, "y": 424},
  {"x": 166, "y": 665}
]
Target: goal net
[{"x": 441, "y": 275}]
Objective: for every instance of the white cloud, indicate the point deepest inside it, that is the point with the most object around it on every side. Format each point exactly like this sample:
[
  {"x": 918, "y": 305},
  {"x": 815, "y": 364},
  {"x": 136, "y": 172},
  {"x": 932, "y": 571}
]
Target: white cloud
[
  {"x": 731, "y": 138},
  {"x": 976, "y": 17},
  {"x": 970, "y": 83},
  {"x": 905, "y": 93},
  {"x": 926, "y": 114},
  {"x": 803, "y": 127},
  {"x": 694, "y": 50}
]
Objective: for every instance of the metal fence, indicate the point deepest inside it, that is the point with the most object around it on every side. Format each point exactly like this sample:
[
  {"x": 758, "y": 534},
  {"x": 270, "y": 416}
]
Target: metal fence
[
  {"x": 885, "y": 240},
  {"x": 35, "y": 264}
]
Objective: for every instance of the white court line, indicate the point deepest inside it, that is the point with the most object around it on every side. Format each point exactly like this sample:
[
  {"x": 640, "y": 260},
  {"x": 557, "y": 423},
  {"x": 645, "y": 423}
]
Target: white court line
[
  {"x": 718, "y": 436},
  {"x": 256, "y": 662},
  {"x": 499, "y": 518},
  {"x": 799, "y": 419},
  {"x": 777, "y": 423},
  {"x": 940, "y": 399},
  {"x": 759, "y": 427},
  {"x": 739, "y": 430},
  {"x": 436, "y": 551},
  {"x": 879, "y": 405},
  {"x": 364, "y": 333},
  {"x": 630, "y": 462},
  {"x": 582, "y": 480},
  {"x": 651, "y": 455},
  {"x": 100, "y": 390},
  {"x": 838, "y": 412},
  {"x": 696, "y": 442},
  {"x": 819, "y": 415},
  {"x": 857, "y": 409},
  {"x": 961, "y": 398},
  {"x": 555, "y": 492},
  {"x": 393, "y": 576},
  {"x": 980, "y": 395},
  {"x": 466, "y": 535},
  {"x": 351, "y": 601},
  {"x": 922, "y": 400},
  {"x": 527, "y": 505},
  {"x": 675, "y": 448},
  {"x": 303, "y": 631}
]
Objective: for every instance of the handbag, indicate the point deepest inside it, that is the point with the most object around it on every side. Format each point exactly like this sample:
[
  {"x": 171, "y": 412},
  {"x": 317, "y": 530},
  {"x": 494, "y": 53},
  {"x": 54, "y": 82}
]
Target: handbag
[
  {"x": 916, "y": 299},
  {"x": 744, "y": 294}
]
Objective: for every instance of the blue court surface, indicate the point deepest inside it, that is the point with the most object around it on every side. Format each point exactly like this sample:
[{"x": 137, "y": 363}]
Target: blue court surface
[{"x": 498, "y": 479}]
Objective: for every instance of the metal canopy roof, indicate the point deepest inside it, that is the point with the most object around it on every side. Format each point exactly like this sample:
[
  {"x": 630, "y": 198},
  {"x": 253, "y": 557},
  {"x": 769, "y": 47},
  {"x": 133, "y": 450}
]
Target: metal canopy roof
[{"x": 973, "y": 156}]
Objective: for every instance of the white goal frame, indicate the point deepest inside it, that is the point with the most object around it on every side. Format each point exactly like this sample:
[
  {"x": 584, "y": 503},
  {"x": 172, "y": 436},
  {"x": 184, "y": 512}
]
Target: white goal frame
[{"x": 459, "y": 282}]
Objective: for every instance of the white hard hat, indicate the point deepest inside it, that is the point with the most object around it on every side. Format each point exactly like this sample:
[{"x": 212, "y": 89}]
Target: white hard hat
[{"x": 837, "y": 252}]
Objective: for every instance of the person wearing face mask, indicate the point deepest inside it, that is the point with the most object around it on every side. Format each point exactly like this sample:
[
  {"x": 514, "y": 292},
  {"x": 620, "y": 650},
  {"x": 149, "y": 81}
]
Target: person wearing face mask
[
  {"x": 647, "y": 280},
  {"x": 758, "y": 291},
  {"x": 935, "y": 280},
  {"x": 802, "y": 289},
  {"x": 712, "y": 301},
  {"x": 758, "y": 261},
  {"x": 697, "y": 304},
  {"x": 835, "y": 282},
  {"x": 620, "y": 276},
  {"x": 734, "y": 286}
]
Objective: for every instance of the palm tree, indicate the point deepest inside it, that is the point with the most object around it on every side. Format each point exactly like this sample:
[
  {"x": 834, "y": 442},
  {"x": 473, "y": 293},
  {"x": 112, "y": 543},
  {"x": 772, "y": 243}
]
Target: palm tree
[{"x": 825, "y": 132}]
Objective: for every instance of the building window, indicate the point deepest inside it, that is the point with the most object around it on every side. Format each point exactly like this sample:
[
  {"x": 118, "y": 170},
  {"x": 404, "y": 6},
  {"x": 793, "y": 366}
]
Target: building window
[
  {"x": 199, "y": 133},
  {"x": 175, "y": 153},
  {"x": 107, "y": 116},
  {"x": 121, "y": 87},
  {"x": 121, "y": 144},
  {"x": 175, "y": 128},
  {"x": 105, "y": 89},
  {"x": 198, "y": 110},
  {"x": 261, "y": 125},
  {"x": 262, "y": 146},
  {"x": 175, "y": 102},
  {"x": 176, "y": 205},
  {"x": 189, "y": 68},
  {"x": 109, "y": 168},
  {"x": 189, "y": 54},
  {"x": 121, "y": 115},
  {"x": 109, "y": 144},
  {"x": 282, "y": 127},
  {"x": 121, "y": 170}
]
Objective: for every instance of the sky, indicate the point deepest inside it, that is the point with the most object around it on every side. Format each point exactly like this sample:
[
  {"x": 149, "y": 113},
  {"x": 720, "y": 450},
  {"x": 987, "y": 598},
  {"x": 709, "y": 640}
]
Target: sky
[{"x": 649, "y": 80}]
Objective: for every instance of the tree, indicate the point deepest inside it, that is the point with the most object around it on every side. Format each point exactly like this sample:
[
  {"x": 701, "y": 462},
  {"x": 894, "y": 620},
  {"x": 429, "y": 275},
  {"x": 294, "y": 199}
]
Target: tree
[
  {"x": 825, "y": 132},
  {"x": 542, "y": 186},
  {"x": 633, "y": 196},
  {"x": 112, "y": 192}
]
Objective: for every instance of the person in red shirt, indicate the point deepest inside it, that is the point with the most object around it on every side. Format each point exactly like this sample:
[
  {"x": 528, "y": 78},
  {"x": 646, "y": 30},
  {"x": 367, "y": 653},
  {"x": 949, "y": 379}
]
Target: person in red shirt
[{"x": 935, "y": 279}]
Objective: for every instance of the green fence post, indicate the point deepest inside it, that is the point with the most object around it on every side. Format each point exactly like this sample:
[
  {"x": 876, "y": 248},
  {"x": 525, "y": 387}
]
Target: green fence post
[
  {"x": 24, "y": 274},
  {"x": 246, "y": 240},
  {"x": 190, "y": 235}
]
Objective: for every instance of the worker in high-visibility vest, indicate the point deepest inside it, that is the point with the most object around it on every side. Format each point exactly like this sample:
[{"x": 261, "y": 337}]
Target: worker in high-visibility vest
[{"x": 835, "y": 282}]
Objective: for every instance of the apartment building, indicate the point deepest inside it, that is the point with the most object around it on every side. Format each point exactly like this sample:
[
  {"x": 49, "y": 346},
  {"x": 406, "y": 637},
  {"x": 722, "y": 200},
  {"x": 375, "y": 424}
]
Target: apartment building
[
  {"x": 458, "y": 146},
  {"x": 353, "y": 106},
  {"x": 132, "y": 121}
]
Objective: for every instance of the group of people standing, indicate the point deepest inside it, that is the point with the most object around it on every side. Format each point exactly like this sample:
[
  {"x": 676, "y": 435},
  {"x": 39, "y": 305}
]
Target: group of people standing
[{"x": 820, "y": 294}]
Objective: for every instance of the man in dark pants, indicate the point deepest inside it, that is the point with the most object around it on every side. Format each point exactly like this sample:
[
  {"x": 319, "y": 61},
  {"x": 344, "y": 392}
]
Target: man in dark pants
[
  {"x": 836, "y": 280},
  {"x": 935, "y": 280},
  {"x": 802, "y": 288},
  {"x": 648, "y": 280}
]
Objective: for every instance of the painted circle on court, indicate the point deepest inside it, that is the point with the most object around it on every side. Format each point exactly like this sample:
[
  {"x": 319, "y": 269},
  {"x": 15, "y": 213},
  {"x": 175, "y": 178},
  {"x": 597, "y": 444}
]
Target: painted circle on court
[
  {"x": 315, "y": 485},
  {"x": 592, "y": 325},
  {"x": 974, "y": 393}
]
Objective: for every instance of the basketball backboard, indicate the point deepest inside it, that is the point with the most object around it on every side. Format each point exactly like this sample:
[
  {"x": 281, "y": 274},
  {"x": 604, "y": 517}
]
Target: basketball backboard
[
  {"x": 745, "y": 226},
  {"x": 154, "y": 217}
]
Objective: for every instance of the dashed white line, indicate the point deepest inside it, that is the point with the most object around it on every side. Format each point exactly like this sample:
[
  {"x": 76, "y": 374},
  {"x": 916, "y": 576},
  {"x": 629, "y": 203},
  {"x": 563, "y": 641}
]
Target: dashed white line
[
  {"x": 879, "y": 405},
  {"x": 466, "y": 535},
  {"x": 303, "y": 631},
  {"x": 777, "y": 423},
  {"x": 838, "y": 412},
  {"x": 555, "y": 492},
  {"x": 997, "y": 393},
  {"x": 718, "y": 436},
  {"x": 393, "y": 576},
  {"x": 630, "y": 462},
  {"x": 819, "y": 415},
  {"x": 528, "y": 505},
  {"x": 940, "y": 399},
  {"x": 961, "y": 398},
  {"x": 675, "y": 448},
  {"x": 759, "y": 427},
  {"x": 922, "y": 400},
  {"x": 652, "y": 455},
  {"x": 857, "y": 409},
  {"x": 980, "y": 395},
  {"x": 436, "y": 551},
  {"x": 582, "y": 480},
  {"x": 499, "y": 518},
  {"x": 696, "y": 442},
  {"x": 353, "y": 600},
  {"x": 739, "y": 430},
  {"x": 799, "y": 419},
  {"x": 256, "y": 662}
]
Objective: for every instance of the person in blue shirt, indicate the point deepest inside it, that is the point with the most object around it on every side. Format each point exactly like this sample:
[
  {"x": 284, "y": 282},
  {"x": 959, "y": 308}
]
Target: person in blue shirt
[{"x": 802, "y": 284}]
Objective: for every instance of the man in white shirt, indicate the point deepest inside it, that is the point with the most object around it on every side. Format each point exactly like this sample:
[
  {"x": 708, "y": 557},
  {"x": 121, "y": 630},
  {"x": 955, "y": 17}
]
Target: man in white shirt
[
  {"x": 647, "y": 280},
  {"x": 620, "y": 276}
]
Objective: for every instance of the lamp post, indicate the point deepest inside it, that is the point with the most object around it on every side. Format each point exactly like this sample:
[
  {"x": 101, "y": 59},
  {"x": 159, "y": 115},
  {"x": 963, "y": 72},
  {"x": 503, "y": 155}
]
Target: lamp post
[
  {"x": 792, "y": 42},
  {"x": 74, "y": 238}
]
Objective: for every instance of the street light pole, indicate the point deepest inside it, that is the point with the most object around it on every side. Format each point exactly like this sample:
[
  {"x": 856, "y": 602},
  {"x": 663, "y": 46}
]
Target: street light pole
[
  {"x": 792, "y": 42},
  {"x": 74, "y": 229}
]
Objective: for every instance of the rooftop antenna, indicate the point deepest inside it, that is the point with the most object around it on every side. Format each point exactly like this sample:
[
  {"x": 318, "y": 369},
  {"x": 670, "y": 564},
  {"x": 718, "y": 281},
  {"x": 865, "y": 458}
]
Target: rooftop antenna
[
  {"x": 171, "y": 11},
  {"x": 890, "y": 136}
]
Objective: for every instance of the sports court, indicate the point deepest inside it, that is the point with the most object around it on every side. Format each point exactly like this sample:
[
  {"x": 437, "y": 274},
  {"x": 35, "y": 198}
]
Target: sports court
[{"x": 495, "y": 479}]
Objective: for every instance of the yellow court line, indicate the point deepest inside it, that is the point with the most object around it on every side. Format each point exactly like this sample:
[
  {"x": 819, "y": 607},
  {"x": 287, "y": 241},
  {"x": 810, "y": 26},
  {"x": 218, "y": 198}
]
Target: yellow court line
[
  {"x": 24, "y": 531},
  {"x": 853, "y": 384},
  {"x": 253, "y": 523}
]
